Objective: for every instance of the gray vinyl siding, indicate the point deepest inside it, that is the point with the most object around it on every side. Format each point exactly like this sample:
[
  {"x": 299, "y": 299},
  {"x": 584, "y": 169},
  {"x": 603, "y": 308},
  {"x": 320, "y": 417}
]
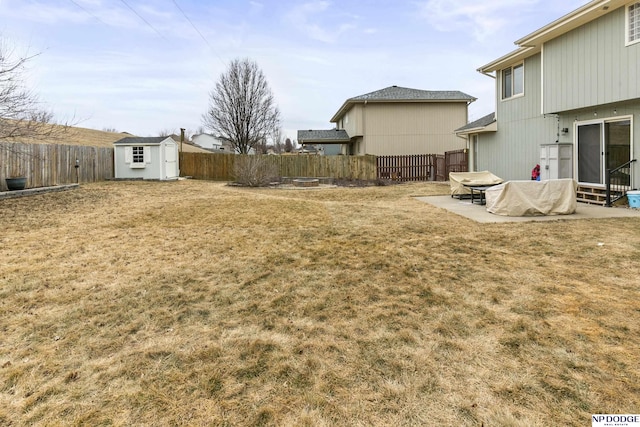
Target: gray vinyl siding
[
  {"x": 591, "y": 66},
  {"x": 606, "y": 113},
  {"x": 514, "y": 149}
]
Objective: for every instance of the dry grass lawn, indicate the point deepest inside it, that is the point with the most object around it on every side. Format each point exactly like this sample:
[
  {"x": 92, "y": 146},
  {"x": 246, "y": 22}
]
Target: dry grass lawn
[{"x": 194, "y": 303}]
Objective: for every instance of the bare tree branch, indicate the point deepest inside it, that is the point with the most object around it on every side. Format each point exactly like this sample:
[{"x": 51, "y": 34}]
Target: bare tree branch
[
  {"x": 242, "y": 109},
  {"x": 21, "y": 115}
]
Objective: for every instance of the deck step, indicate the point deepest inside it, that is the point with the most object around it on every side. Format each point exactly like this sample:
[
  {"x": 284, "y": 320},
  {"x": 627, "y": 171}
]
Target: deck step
[{"x": 593, "y": 195}]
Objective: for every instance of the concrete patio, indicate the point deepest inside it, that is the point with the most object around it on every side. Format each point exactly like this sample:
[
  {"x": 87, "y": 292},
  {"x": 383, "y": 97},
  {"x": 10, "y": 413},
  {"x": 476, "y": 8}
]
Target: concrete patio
[{"x": 479, "y": 213}]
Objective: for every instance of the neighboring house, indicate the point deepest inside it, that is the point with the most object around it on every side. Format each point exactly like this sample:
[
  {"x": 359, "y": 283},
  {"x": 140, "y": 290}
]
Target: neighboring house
[
  {"x": 330, "y": 141},
  {"x": 146, "y": 158},
  {"x": 215, "y": 144},
  {"x": 569, "y": 94},
  {"x": 311, "y": 149},
  {"x": 398, "y": 121},
  {"x": 211, "y": 143},
  {"x": 188, "y": 146}
]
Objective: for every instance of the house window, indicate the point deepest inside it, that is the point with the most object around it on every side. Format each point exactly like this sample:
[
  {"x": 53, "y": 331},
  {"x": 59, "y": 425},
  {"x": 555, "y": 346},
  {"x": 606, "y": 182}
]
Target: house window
[
  {"x": 138, "y": 155},
  {"x": 513, "y": 81},
  {"x": 633, "y": 23}
]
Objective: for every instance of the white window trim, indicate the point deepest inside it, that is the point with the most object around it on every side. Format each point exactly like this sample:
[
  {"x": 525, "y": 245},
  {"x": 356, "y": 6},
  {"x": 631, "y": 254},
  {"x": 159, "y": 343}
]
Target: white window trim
[
  {"x": 627, "y": 18},
  {"x": 128, "y": 157},
  {"x": 501, "y": 73}
]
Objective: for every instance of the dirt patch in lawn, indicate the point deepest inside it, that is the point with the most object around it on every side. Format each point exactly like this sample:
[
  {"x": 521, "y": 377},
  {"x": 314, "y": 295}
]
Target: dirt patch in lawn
[{"x": 196, "y": 303}]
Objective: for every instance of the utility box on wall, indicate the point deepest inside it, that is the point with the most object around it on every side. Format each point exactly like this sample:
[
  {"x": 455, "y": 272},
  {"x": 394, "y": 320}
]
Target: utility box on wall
[{"x": 556, "y": 161}]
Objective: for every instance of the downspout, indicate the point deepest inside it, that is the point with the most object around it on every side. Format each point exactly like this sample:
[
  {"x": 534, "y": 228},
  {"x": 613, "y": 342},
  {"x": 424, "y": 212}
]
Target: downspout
[{"x": 364, "y": 124}]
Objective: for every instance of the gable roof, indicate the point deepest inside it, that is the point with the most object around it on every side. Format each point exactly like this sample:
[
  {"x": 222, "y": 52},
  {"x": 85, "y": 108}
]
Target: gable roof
[
  {"x": 403, "y": 94},
  {"x": 332, "y": 136},
  {"x": 483, "y": 124},
  {"x": 532, "y": 44}
]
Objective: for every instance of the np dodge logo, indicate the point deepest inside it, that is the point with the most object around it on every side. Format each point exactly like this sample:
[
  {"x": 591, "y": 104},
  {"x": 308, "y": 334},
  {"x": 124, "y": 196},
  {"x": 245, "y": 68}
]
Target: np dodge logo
[{"x": 608, "y": 420}]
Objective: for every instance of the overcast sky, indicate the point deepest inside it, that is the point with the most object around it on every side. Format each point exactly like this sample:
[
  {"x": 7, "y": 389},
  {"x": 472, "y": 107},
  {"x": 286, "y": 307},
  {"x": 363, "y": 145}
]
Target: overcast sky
[{"x": 143, "y": 66}]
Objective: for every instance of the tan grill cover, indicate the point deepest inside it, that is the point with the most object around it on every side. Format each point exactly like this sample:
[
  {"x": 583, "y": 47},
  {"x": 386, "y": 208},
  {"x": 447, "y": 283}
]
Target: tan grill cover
[
  {"x": 458, "y": 179},
  {"x": 532, "y": 198}
]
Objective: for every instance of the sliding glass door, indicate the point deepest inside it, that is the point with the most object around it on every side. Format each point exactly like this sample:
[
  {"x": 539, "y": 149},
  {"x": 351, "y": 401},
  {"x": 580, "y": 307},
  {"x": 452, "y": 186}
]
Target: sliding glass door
[
  {"x": 590, "y": 153},
  {"x": 602, "y": 145}
]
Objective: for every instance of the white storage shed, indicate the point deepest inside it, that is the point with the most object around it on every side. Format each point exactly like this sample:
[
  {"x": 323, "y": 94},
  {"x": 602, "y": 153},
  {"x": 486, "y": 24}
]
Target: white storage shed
[{"x": 146, "y": 158}]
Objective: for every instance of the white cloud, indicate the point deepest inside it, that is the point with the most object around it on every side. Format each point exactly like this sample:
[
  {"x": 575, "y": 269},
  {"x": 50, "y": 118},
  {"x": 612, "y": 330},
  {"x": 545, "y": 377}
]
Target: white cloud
[
  {"x": 482, "y": 19},
  {"x": 307, "y": 19},
  {"x": 256, "y": 7}
]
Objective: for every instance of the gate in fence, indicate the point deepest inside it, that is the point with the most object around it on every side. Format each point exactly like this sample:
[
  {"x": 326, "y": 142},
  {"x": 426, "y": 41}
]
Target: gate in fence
[{"x": 421, "y": 167}]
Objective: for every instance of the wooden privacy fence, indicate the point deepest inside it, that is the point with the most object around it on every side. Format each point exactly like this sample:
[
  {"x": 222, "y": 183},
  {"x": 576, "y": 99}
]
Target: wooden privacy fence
[
  {"x": 421, "y": 167},
  {"x": 217, "y": 166},
  {"x": 46, "y": 165},
  {"x": 456, "y": 161},
  {"x": 53, "y": 164}
]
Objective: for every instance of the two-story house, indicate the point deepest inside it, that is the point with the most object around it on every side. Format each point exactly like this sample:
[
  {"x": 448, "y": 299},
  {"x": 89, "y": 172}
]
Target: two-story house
[
  {"x": 396, "y": 121},
  {"x": 568, "y": 95}
]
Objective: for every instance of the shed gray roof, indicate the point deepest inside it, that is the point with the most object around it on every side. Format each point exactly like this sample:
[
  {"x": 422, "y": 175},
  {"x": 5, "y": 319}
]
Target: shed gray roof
[
  {"x": 480, "y": 123},
  {"x": 323, "y": 136},
  {"x": 142, "y": 140},
  {"x": 397, "y": 93}
]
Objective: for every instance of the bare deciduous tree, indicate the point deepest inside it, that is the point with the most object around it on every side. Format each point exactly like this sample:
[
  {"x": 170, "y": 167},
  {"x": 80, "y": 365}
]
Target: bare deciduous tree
[
  {"x": 21, "y": 114},
  {"x": 242, "y": 109},
  {"x": 277, "y": 143}
]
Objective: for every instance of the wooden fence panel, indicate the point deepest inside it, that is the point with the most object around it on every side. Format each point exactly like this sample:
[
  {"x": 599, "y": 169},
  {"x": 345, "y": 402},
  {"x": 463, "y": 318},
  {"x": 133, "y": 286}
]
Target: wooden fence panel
[
  {"x": 216, "y": 166},
  {"x": 419, "y": 167},
  {"x": 46, "y": 165},
  {"x": 441, "y": 168},
  {"x": 456, "y": 161}
]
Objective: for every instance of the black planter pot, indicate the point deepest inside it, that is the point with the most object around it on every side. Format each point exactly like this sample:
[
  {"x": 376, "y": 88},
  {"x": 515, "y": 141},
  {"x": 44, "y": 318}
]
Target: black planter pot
[{"x": 17, "y": 183}]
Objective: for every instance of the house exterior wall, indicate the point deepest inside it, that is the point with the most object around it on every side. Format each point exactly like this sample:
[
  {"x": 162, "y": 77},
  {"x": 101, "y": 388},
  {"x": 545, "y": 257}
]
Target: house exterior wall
[
  {"x": 611, "y": 112},
  {"x": 331, "y": 149},
  {"x": 351, "y": 121},
  {"x": 413, "y": 128},
  {"x": 207, "y": 141},
  {"x": 514, "y": 149},
  {"x": 591, "y": 66}
]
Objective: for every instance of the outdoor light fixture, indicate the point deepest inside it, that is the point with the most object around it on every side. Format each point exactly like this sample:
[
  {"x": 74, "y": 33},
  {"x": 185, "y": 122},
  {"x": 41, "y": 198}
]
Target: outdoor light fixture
[{"x": 565, "y": 130}]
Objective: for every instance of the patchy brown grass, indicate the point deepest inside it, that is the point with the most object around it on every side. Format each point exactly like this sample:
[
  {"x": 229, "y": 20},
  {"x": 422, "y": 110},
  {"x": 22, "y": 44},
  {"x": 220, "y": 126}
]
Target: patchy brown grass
[{"x": 147, "y": 303}]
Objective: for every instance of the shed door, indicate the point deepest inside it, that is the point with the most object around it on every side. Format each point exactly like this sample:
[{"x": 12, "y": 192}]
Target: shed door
[{"x": 171, "y": 161}]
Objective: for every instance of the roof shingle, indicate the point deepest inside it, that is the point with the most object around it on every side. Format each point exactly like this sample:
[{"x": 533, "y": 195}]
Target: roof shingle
[
  {"x": 326, "y": 136},
  {"x": 480, "y": 123},
  {"x": 397, "y": 93}
]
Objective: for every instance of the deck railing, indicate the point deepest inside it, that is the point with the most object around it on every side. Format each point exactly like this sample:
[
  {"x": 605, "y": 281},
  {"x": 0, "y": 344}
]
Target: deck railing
[{"x": 618, "y": 181}]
